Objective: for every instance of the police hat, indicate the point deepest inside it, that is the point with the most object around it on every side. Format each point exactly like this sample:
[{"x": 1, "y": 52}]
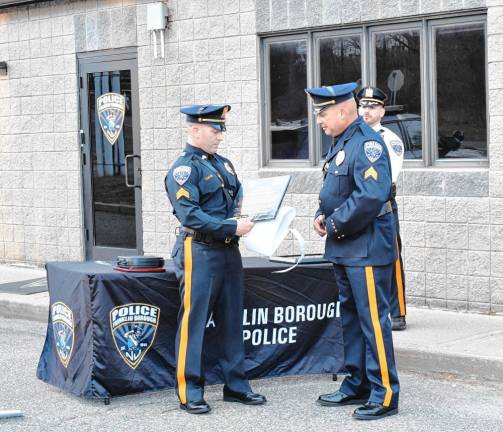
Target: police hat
[
  {"x": 371, "y": 96},
  {"x": 325, "y": 96},
  {"x": 212, "y": 115}
]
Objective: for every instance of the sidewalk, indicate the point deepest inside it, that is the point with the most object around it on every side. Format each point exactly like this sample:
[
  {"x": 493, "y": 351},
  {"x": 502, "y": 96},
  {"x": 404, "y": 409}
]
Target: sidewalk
[{"x": 435, "y": 341}]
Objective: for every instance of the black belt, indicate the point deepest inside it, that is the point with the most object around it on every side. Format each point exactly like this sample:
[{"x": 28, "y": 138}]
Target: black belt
[
  {"x": 208, "y": 238},
  {"x": 386, "y": 208}
]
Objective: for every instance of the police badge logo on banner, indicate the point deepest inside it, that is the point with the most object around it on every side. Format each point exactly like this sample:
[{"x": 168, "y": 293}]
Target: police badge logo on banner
[
  {"x": 63, "y": 328},
  {"x": 111, "y": 108},
  {"x": 133, "y": 329}
]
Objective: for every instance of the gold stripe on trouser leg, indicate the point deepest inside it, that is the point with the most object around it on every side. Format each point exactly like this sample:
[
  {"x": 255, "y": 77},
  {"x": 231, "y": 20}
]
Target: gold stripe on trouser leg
[
  {"x": 381, "y": 352},
  {"x": 184, "y": 333},
  {"x": 399, "y": 282}
]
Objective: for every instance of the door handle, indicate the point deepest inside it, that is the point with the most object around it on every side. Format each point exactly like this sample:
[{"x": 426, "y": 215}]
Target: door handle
[{"x": 126, "y": 161}]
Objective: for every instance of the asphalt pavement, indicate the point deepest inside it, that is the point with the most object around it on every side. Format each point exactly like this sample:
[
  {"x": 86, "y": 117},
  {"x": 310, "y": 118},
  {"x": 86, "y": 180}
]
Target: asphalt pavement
[
  {"x": 450, "y": 365},
  {"x": 428, "y": 402}
]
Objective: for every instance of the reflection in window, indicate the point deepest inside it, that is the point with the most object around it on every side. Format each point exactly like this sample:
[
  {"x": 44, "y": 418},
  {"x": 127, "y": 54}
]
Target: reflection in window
[
  {"x": 398, "y": 73},
  {"x": 340, "y": 62},
  {"x": 288, "y": 79},
  {"x": 461, "y": 91}
]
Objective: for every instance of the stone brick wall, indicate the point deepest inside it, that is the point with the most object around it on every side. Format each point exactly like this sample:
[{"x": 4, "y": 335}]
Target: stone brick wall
[
  {"x": 450, "y": 218},
  {"x": 452, "y": 223},
  {"x": 40, "y": 174},
  {"x": 211, "y": 56}
]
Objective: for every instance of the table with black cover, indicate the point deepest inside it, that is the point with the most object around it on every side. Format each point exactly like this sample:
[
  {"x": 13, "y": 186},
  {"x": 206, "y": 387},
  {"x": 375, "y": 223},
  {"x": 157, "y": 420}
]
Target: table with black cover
[{"x": 111, "y": 333}]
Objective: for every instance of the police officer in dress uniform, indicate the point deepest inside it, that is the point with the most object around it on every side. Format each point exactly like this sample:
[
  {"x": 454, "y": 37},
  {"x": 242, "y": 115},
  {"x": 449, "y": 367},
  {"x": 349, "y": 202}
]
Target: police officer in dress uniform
[
  {"x": 205, "y": 193},
  {"x": 356, "y": 217},
  {"x": 371, "y": 101}
]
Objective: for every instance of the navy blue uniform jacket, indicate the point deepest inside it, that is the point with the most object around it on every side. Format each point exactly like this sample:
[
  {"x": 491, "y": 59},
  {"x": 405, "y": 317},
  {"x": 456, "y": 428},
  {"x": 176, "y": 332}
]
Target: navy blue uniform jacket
[
  {"x": 352, "y": 197},
  {"x": 204, "y": 194}
]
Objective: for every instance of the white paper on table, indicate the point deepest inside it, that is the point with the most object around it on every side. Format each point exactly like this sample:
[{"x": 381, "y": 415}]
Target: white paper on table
[{"x": 266, "y": 236}]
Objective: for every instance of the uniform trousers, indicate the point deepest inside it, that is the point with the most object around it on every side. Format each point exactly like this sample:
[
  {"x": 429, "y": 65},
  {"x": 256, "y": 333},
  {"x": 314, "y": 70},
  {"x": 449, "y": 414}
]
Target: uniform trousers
[
  {"x": 210, "y": 281},
  {"x": 368, "y": 343}
]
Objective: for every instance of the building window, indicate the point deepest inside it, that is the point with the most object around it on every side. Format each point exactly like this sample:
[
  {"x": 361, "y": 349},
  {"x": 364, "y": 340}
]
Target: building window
[
  {"x": 288, "y": 105},
  {"x": 433, "y": 70},
  {"x": 460, "y": 91},
  {"x": 398, "y": 72},
  {"x": 340, "y": 60}
]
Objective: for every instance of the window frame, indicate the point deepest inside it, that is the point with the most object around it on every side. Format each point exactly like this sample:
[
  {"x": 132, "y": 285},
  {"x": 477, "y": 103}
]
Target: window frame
[
  {"x": 435, "y": 161},
  {"x": 317, "y": 37},
  {"x": 425, "y": 25},
  {"x": 389, "y": 28},
  {"x": 266, "y": 105}
]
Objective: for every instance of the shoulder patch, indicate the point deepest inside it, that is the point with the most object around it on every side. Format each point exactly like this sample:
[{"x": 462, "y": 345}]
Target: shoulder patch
[
  {"x": 373, "y": 150},
  {"x": 397, "y": 147},
  {"x": 181, "y": 174}
]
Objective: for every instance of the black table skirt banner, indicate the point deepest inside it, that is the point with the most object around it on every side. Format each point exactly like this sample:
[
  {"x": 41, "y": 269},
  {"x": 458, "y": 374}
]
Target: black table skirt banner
[{"x": 111, "y": 333}]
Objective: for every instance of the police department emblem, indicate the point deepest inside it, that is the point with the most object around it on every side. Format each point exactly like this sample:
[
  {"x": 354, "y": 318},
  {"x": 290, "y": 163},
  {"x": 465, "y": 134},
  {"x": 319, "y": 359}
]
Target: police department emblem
[
  {"x": 111, "y": 108},
  {"x": 133, "y": 328},
  {"x": 181, "y": 174},
  {"x": 397, "y": 147},
  {"x": 373, "y": 150},
  {"x": 63, "y": 330}
]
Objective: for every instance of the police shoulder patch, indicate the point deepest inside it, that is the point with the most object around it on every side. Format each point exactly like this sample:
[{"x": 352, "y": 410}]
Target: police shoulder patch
[
  {"x": 397, "y": 147},
  {"x": 181, "y": 174},
  {"x": 373, "y": 150}
]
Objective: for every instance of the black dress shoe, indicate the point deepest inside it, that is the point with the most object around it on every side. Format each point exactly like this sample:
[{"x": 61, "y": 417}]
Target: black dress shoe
[
  {"x": 340, "y": 399},
  {"x": 398, "y": 323},
  {"x": 373, "y": 411},
  {"x": 248, "y": 398},
  {"x": 196, "y": 407}
]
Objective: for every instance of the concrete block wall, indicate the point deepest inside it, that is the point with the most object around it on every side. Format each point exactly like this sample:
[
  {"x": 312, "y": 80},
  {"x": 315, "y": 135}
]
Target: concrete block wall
[
  {"x": 39, "y": 158},
  {"x": 450, "y": 218},
  {"x": 211, "y": 57},
  {"x": 40, "y": 172},
  {"x": 452, "y": 223}
]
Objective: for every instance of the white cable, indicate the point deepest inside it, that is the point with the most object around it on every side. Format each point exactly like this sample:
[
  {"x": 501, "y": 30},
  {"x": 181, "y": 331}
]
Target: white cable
[{"x": 300, "y": 239}]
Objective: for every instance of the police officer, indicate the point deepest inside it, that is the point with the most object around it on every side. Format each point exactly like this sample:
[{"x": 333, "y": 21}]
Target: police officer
[
  {"x": 205, "y": 192},
  {"x": 356, "y": 217},
  {"x": 371, "y": 101}
]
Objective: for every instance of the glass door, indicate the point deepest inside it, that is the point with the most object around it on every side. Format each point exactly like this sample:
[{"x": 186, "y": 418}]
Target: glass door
[{"x": 110, "y": 158}]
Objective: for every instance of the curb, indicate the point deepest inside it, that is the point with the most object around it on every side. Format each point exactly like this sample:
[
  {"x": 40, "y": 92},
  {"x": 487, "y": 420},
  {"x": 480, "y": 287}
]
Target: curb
[
  {"x": 31, "y": 311},
  {"x": 479, "y": 368}
]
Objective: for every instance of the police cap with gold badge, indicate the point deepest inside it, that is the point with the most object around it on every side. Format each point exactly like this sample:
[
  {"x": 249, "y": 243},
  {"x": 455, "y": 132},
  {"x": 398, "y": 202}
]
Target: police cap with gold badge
[
  {"x": 371, "y": 96},
  {"x": 212, "y": 115},
  {"x": 326, "y": 96}
]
